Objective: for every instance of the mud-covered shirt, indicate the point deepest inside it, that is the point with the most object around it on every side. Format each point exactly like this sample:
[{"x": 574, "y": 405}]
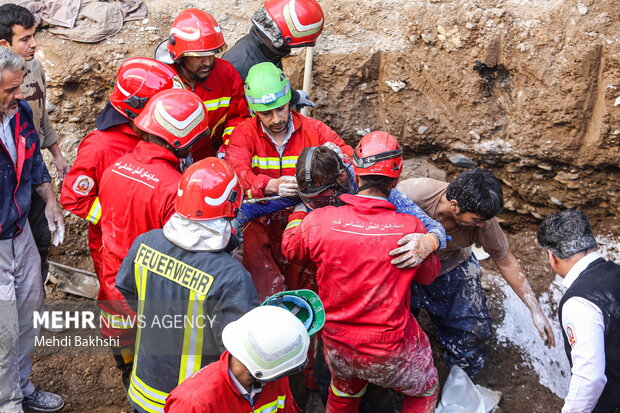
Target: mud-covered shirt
[
  {"x": 427, "y": 193},
  {"x": 33, "y": 89}
]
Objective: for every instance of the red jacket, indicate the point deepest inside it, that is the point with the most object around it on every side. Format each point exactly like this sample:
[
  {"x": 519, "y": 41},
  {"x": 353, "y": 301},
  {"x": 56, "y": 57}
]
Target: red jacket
[
  {"x": 364, "y": 295},
  {"x": 212, "y": 390},
  {"x": 255, "y": 159},
  {"x": 137, "y": 195},
  {"x": 80, "y": 189},
  {"x": 224, "y": 98}
]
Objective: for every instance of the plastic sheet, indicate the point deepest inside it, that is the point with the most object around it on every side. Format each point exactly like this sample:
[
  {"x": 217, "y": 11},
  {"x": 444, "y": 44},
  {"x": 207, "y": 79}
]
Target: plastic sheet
[{"x": 460, "y": 395}]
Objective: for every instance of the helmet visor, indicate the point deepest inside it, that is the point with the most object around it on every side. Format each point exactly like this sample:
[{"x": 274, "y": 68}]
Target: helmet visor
[
  {"x": 369, "y": 161},
  {"x": 201, "y": 53}
]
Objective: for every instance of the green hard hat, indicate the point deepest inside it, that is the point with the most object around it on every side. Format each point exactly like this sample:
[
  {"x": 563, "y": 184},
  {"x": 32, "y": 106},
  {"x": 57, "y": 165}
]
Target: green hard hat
[
  {"x": 266, "y": 87},
  {"x": 304, "y": 304}
]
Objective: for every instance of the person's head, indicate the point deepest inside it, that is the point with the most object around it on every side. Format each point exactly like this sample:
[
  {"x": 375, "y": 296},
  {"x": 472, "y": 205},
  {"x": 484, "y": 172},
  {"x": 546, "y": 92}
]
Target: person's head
[
  {"x": 195, "y": 38},
  {"x": 209, "y": 189},
  {"x": 289, "y": 23},
  {"x": 139, "y": 79},
  {"x": 17, "y": 27},
  {"x": 321, "y": 177},
  {"x": 174, "y": 119},
  {"x": 268, "y": 92},
  {"x": 269, "y": 341},
  {"x": 378, "y": 162},
  {"x": 11, "y": 77},
  {"x": 475, "y": 196},
  {"x": 565, "y": 235}
]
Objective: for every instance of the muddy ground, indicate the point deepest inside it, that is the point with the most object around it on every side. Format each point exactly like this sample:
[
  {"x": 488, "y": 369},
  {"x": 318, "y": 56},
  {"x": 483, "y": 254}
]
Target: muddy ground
[{"x": 527, "y": 88}]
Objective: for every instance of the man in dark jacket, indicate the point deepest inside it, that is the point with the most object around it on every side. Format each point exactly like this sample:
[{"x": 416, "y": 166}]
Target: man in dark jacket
[
  {"x": 21, "y": 291},
  {"x": 276, "y": 29},
  {"x": 183, "y": 274},
  {"x": 589, "y": 312}
]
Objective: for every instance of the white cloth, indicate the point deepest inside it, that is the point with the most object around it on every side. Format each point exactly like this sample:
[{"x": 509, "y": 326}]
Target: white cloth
[
  {"x": 583, "y": 321},
  {"x": 7, "y": 137},
  {"x": 289, "y": 132},
  {"x": 211, "y": 235}
]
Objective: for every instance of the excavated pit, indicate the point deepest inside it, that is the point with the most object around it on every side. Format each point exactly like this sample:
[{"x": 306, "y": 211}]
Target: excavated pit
[{"x": 527, "y": 88}]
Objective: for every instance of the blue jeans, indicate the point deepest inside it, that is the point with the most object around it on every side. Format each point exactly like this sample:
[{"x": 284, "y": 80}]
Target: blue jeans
[{"x": 457, "y": 306}]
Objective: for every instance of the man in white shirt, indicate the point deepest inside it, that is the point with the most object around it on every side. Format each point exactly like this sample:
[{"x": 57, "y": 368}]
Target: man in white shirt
[{"x": 589, "y": 312}]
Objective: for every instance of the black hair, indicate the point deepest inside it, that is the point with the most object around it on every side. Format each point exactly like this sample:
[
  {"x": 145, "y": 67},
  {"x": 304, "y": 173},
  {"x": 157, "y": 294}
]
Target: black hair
[
  {"x": 477, "y": 191},
  {"x": 382, "y": 183},
  {"x": 325, "y": 167},
  {"x": 13, "y": 14},
  {"x": 566, "y": 233}
]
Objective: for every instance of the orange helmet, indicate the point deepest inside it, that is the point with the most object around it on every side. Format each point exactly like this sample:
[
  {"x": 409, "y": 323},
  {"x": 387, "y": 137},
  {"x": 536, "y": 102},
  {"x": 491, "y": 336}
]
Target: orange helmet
[
  {"x": 193, "y": 33},
  {"x": 209, "y": 189},
  {"x": 138, "y": 79},
  {"x": 178, "y": 116},
  {"x": 378, "y": 153},
  {"x": 299, "y": 22}
]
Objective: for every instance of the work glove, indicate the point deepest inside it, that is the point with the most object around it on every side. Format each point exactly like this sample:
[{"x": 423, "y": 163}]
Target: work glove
[
  {"x": 304, "y": 100},
  {"x": 335, "y": 148},
  {"x": 414, "y": 248},
  {"x": 287, "y": 186},
  {"x": 55, "y": 222}
]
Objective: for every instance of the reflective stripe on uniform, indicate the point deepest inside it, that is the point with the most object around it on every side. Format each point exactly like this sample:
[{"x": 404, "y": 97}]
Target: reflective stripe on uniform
[
  {"x": 191, "y": 357},
  {"x": 273, "y": 406},
  {"x": 150, "y": 399},
  {"x": 294, "y": 223},
  {"x": 119, "y": 322},
  {"x": 261, "y": 162},
  {"x": 343, "y": 394},
  {"x": 95, "y": 212},
  {"x": 215, "y": 104},
  {"x": 228, "y": 131}
]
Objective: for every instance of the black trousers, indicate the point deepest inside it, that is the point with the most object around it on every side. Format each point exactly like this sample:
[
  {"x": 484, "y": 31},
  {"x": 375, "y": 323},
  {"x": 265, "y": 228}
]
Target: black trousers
[{"x": 40, "y": 231}]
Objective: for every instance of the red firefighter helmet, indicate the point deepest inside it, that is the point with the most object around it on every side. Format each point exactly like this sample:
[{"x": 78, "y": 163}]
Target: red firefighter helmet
[
  {"x": 300, "y": 21},
  {"x": 378, "y": 153},
  {"x": 209, "y": 189},
  {"x": 138, "y": 79},
  {"x": 178, "y": 116},
  {"x": 193, "y": 33}
]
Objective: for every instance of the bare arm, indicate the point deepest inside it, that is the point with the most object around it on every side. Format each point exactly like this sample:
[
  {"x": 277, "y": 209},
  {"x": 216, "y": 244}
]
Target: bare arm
[
  {"x": 62, "y": 167},
  {"x": 512, "y": 272}
]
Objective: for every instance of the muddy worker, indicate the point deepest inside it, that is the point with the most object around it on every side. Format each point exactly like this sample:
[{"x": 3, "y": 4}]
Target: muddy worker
[
  {"x": 17, "y": 33},
  {"x": 201, "y": 280},
  {"x": 369, "y": 333},
  {"x": 589, "y": 312},
  {"x": 195, "y": 38},
  {"x": 277, "y": 28},
  {"x": 263, "y": 151},
  {"x": 21, "y": 291},
  {"x": 456, "y": 301},
  {"x": 264, "y": 347},
  {"x": 137, "y": 193}
]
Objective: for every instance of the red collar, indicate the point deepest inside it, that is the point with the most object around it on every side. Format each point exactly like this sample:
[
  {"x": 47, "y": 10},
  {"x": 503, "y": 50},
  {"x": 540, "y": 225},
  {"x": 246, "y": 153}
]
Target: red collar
[
  {"x": 147, "y": 152},
  {"x": 363, "y": 203}
]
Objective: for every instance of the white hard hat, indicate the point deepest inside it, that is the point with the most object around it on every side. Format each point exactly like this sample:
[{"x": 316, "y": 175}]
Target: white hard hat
[{"x": 269, "y": 341}]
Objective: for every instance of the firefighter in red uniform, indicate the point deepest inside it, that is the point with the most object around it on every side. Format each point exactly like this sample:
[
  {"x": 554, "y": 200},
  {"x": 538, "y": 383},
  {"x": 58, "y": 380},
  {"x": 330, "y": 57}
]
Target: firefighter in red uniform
[
  {"x": 263, "y": 151},
  {"x": 138, "y": 79},
  {"x": 195, "y": 38},
  {"x": 369, "y": 333},
  {"x": 137, "y": 193},
  {"x": 263, "y": 347}
]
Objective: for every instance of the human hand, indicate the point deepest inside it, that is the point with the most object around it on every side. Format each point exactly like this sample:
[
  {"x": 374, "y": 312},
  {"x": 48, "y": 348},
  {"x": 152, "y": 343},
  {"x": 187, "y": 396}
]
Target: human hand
[
  {"x": 62, "y": 167},
  {"x": 542, "y": 325},
  {"x": 304, "y": 100},
  {"x": 414, "y": 248},
  {"x": 55, "y": 222},
  {"x": 335, "y": 148},
  {"x": 287, "y": 186}
]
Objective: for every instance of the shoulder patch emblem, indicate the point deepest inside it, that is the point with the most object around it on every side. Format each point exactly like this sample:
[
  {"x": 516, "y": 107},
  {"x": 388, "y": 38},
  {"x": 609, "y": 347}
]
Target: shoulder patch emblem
[
  {"x": 570, "y": 333},
  {"x": 83, "y": 184}
]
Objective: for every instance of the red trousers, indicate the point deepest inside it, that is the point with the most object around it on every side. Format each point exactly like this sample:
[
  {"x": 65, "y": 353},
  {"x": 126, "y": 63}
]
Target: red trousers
[{"x": 405, "y": 366}]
